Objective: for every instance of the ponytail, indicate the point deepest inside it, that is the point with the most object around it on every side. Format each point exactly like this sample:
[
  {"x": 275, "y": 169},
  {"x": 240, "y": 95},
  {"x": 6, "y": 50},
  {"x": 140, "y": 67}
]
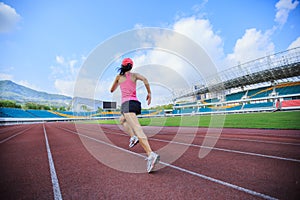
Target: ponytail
[{"x": 125, "y": 68}]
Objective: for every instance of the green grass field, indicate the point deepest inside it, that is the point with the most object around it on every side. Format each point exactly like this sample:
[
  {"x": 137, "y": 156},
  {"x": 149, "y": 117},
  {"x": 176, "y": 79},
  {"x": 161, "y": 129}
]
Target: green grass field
[{"x": 265, "y": 120}]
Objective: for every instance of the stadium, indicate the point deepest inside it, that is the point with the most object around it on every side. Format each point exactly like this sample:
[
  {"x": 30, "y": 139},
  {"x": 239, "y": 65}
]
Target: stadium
[
  {"x": 85, "y": 155},
  {"x": 265, "y": 84},
  {"x": 269, "y": 83}
]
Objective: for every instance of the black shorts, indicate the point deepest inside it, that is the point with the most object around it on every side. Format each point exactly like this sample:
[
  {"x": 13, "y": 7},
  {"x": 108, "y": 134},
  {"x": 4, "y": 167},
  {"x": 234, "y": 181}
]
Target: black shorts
[{"x": 131, "y": 106}]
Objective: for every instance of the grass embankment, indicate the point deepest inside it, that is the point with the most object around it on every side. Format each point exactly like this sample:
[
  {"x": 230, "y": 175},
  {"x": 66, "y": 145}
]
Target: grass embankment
[{"x": 273, "y": 120}]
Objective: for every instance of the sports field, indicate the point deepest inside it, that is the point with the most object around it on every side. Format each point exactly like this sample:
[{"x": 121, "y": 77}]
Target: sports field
[{"x": 265, "y": 120}]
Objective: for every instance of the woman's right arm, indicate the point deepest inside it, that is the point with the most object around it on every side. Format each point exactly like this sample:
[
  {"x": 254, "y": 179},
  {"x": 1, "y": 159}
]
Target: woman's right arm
[{"x": 115, "y": 84}]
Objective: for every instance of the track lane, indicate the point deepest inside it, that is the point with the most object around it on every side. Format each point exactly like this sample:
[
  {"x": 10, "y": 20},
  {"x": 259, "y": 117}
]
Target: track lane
[
  {"x": 10, "y": 132},
  {"x": 81, "y": 176},
  {"x": 24, "y": 169},
  {"x": 161, "y": 183},
  {"x": 9, "y": 128},
  {"x": 54, "y": 180},
  {"x": 271, "y": 149},
  {"x": 190, "y": 172},
  {"x": 281, "y": 176}
]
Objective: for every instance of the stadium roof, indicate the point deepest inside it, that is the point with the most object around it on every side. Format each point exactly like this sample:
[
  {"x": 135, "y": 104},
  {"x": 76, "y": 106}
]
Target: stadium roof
[{"x": 267, "y": 69}]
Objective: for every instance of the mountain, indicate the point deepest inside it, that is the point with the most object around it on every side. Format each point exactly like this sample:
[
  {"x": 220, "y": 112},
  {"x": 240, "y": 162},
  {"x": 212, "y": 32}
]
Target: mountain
[{"x": 12, "y": 91}]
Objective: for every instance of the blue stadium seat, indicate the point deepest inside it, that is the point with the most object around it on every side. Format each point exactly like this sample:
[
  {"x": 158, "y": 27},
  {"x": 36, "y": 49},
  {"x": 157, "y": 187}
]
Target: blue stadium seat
[
  {"x": 42, "y": 114},
  {"x": 235, "y": 96},
  {"x": 288, "y": 90},
  {"x": 239, "y": 107},
  {"x": 15, "y": 113},
  {"x": 260, "y": 92},
  {"x": 258, "y": 105}
]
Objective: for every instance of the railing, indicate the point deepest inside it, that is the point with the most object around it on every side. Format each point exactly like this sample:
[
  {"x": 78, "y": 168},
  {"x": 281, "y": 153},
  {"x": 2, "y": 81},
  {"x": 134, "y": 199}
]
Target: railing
[{"x": 267, "y": 63}]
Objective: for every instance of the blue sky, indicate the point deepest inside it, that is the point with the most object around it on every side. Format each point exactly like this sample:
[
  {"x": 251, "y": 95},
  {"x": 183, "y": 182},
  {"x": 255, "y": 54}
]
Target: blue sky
[{"x": 44, "y": 43}]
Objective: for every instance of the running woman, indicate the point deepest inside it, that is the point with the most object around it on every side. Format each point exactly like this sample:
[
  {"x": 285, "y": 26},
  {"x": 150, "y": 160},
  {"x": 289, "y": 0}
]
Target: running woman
[{"x": 131, "y": 107}]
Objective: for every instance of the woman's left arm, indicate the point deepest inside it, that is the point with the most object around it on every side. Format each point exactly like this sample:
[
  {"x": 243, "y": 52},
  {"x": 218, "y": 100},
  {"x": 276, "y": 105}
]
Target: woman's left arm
[{"x": 147, "y": 85}]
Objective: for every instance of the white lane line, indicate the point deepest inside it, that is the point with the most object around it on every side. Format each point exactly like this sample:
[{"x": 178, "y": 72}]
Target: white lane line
[
  {"x": 238, "y": 139},
  {"x": 54, "y": 179},
  {"x": 251, "y": 192},
  {"x": 229, "y": 150},
  {"x": 10, "y": 137},
  {"x": 264, "y": 196},
  {"x": 221, "y": 149},
  {"x": 251, "y": 140}
]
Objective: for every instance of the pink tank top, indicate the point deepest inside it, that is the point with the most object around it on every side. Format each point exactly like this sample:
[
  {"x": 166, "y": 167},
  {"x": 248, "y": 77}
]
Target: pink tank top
[{"x": 128, "y": 89}]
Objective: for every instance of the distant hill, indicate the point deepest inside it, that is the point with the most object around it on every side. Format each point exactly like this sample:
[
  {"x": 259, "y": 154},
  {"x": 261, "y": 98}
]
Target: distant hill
[{"x": 12, "y": 91}]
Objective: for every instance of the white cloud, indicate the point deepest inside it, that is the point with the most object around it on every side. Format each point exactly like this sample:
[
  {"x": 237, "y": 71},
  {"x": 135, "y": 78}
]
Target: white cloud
[
  {"x": 295, "y": 44},
  {"x": 88, "y": 88},
  {"x": 201, "y": 31},
  {"x": 176, "y": 75},
  {"x": 4, "y": 76},
  {"x": 102, "y": 90},
  {"x": 252, "y": 45},
  {"x": 256, "y": 43},
  {"x": 64, "y": 87},
  {"x": 73, "y": 69},
  {"x": 8, "y": 18},
  {"x": 283, "y": 8},
  {"x": 60, "y": 60},
  {"x": 168, "y": 72},
  {"x": 64, "y": 74}
]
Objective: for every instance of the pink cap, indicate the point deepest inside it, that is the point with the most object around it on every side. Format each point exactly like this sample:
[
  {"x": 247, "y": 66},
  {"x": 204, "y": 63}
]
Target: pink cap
[{"x": 126, "y": 61}]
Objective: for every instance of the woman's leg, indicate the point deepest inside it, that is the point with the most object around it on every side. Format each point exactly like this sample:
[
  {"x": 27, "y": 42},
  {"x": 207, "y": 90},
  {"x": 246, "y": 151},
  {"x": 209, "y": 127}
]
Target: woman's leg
[
  {"x": 126, "y": 126},
  {"x": 133, "y": 122}
]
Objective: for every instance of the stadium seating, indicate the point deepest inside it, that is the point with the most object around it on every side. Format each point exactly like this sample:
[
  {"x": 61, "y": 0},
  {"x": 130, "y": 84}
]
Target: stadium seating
[
  {"x": 294, "y": 89},
  {"x": 238, "y": 107},
  {"x": 235, "y": 96},
  {"x": 20, "y": 113},
  {"x": 204, "y": 109},
  {"x": 188, "y": 110},
  {"x": 258, "y": 105},
  {"x": 42, "y": 114},
  {"x": 289, "y": 104},
  {"x": 187, "y": 104},
  {"x": 15, "y": 112},
  {"x": 252, "y": 102},
  {"x": 232, "y": 103},
  {"x": 214, "y": 100},
  {"x": 3, "y": 113},
  {"x": 78, "y": 113},
  {"x": 260, "y": 92}
]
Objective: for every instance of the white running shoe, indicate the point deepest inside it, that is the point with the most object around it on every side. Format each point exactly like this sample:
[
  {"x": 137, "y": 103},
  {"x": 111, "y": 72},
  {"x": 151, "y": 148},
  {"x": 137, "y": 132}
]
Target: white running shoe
[
  {"x": 152, "y": 159},
  {"x": 133, "y": 141}
]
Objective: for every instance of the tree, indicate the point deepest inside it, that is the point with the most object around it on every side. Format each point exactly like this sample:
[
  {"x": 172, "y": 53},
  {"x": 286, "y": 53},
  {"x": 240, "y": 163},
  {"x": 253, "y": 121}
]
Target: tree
[
  {"x": 62, "y": 109},
  {"x": 9, "y": 104}
]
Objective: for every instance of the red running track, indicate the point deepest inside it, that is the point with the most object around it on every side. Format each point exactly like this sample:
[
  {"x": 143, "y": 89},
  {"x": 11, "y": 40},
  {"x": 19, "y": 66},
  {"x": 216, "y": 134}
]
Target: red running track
[{"x": 88, "y": 161}]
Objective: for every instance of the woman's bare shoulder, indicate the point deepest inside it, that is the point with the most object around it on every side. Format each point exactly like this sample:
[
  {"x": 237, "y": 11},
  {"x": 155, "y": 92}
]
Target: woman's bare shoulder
[
  {"x": 118, "y": 77},
  {"x": 133, "y": 75},
  {"x": 139, "y": 76}
]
